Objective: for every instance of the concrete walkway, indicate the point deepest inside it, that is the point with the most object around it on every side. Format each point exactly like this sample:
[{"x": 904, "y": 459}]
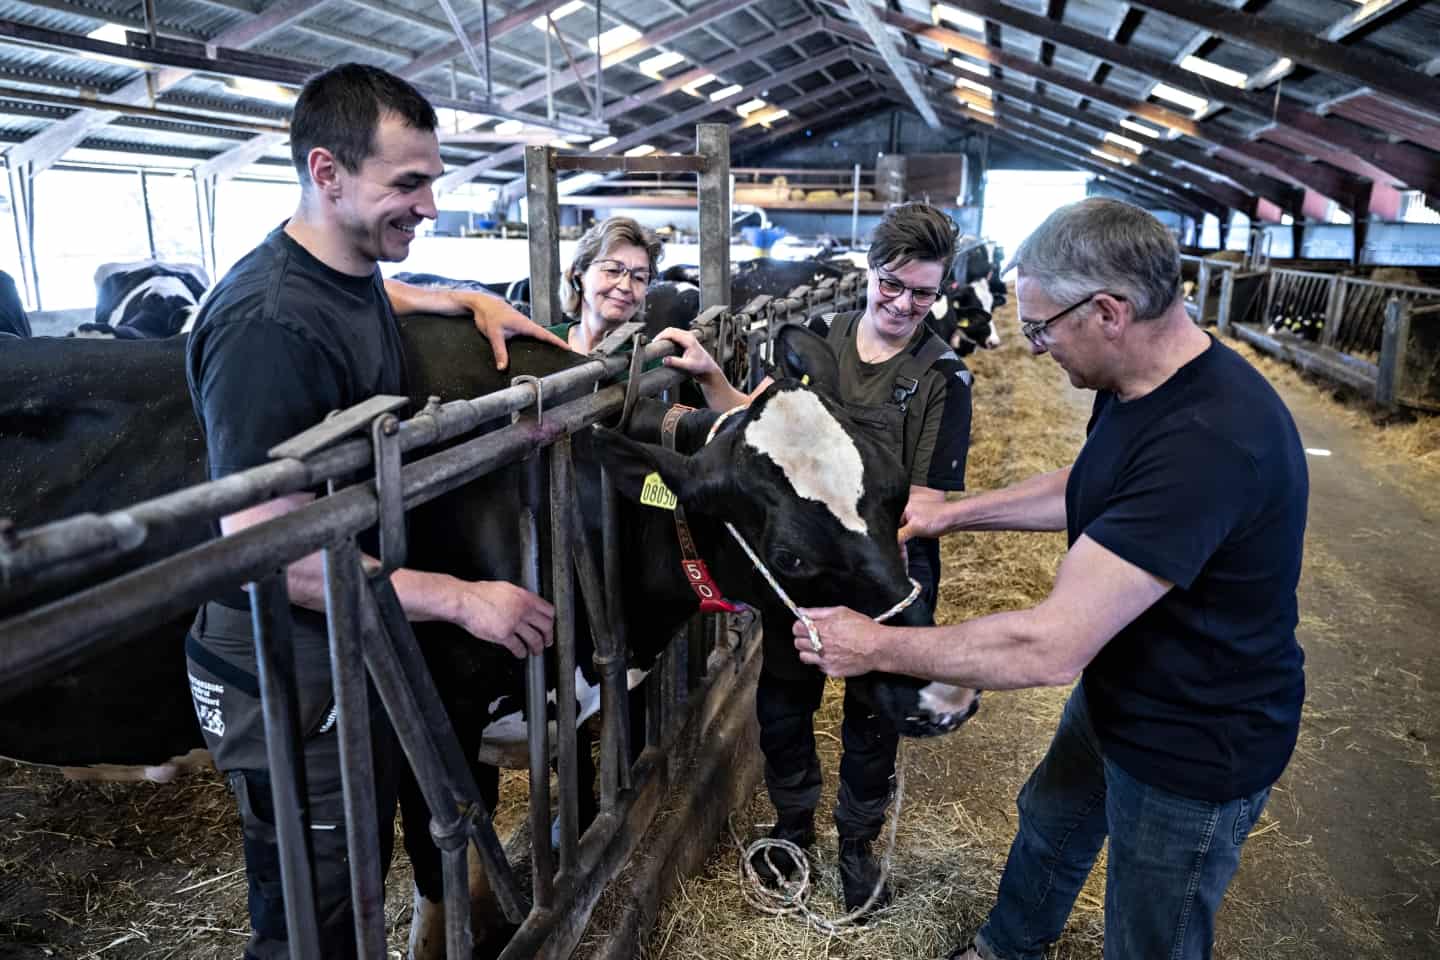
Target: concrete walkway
[{"x": 1350, "y": 863}]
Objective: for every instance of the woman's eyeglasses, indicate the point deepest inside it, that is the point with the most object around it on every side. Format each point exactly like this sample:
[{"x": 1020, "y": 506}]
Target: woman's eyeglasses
[
  {"x": 890, "y": 288},
  {"x": 615, "y": 271}
]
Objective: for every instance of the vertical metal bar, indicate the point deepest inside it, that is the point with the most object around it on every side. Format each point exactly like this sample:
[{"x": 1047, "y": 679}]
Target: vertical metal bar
[
  {"x": 855, "y": 208},
  {"x": 393, "y": 658},
  {"x": 343, "y": 584},
  {"x": 712, "y": 141},
  {"x": 1334, "y": 309},
  {"x": 543, "y": 208},
  {"x": 1227, "y": 296},
  {"x": 549, "y": 73},
  {"x": 614, "y": 689},
  {"x": 151, "y": 22},
  {"x": 599, "y": 104},
  {"x": 1390, "y": 384},
  {"x": 275, "y": 670},
  {"x": 485, "y": 48},
  {"x": 655, "y": 699},
  {"x": 537, "y": 722},
  {"x": 562, "y": 578},
  {"x": 145, "y": 204},
  {"x": 1202, "y": 293},
  {"x": 388, "y": 645}
]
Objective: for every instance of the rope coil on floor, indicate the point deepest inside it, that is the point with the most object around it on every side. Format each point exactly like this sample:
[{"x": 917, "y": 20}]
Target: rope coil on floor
[{"x": 790, "y": 898}]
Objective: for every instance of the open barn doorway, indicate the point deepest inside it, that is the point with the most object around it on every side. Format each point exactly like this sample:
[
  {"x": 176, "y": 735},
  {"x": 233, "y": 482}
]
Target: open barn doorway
[{"x": 1017, "y": 201}]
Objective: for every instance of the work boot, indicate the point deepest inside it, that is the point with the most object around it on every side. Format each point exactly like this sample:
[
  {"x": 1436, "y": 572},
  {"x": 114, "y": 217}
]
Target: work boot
[
  {"x": 796, "y": 826},
  {"x": 859, "y": 872}
]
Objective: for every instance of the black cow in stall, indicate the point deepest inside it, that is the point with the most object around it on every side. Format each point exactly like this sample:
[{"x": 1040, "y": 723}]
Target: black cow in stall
[
  {"x": 83, "y": 414},
  {"x": 145, "y": 300},
  {"x": 961, "y": 317},
  {"x": 13, "y": 322},
  {"x": 514, "y": 291}
]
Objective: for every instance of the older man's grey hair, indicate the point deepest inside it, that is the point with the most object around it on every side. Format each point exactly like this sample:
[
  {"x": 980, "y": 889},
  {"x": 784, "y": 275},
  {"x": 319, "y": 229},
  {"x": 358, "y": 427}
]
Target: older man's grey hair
[{"x": 1103, "y": 244}]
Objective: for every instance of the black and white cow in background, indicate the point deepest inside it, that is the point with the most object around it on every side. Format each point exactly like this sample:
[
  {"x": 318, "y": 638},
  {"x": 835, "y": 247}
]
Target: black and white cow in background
[
  {"x": 13, "y": 322},
  {"x": 81, "y": 414},
  {"x": 962, "y": 314},
  {"x": 145, "y": 300}
]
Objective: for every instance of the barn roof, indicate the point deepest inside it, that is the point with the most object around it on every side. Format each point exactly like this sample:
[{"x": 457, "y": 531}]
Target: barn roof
[{"x": 1203, "y": 105}]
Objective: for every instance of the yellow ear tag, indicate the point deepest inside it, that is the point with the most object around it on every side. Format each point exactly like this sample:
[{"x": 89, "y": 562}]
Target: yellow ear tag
[
  {"x": 805, "y": 380},
  {"x": 656, "y": 494},
  {"x": 965, "y": 324}
]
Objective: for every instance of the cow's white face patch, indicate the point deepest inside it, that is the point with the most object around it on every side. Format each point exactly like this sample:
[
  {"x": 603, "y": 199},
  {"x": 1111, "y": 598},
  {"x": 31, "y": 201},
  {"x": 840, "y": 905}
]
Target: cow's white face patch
[
  {"x": 942, "y": 699},
  {"x": 983, "y": 294},
  {"x": 817, "y": 456}
]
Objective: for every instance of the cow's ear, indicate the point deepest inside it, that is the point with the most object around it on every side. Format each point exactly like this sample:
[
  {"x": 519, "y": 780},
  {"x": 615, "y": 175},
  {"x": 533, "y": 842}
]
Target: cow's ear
[
  {"x": 632, "y": 465},
  {"x": 802, "y": 354}
]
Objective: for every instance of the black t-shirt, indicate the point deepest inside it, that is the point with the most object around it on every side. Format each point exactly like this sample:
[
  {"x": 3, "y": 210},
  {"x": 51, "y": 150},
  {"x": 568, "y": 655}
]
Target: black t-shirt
[
  {"x": 936, "y": 433},
  {"x": 1201, "y": 482},
  {"x": 281, "y": 341}
]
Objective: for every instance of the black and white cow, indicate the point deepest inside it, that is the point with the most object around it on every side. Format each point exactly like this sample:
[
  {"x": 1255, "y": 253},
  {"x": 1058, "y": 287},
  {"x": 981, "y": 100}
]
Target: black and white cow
[
  {"x": 13, "y": 322},
  {"x": 145, "y": 300},
  {"x": 961, "y": 317},
  {"x": 819, "y": 500},
  {"x": 776, "y": 278}
]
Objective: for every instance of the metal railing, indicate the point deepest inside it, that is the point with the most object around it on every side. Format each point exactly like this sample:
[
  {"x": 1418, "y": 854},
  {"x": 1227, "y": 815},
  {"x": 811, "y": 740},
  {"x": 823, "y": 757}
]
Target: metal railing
[
  {"x": 370, "y": 638},
  {"x": 1340, "y": 322}
]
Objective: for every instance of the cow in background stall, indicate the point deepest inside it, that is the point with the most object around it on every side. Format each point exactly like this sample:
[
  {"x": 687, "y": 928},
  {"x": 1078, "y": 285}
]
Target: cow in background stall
[
  {"x": 145, "y": 300},
  {"x": 962, "y": 314},
  {"x": 13, "y": 322}
]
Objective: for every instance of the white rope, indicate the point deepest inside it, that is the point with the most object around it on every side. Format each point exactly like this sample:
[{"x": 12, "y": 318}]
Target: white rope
[{"x": 790, "y": 899}]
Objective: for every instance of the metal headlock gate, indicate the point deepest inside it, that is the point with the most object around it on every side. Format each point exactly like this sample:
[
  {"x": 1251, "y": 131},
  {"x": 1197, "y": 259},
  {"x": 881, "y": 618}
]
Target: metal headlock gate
[{"x": 368, "y": 631}]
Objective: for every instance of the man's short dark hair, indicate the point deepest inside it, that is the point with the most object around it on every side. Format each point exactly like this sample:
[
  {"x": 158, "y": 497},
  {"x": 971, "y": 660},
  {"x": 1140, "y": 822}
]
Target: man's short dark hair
[
  {"x": 913, "y": 231},
  {"x": 340, "y": 110}
]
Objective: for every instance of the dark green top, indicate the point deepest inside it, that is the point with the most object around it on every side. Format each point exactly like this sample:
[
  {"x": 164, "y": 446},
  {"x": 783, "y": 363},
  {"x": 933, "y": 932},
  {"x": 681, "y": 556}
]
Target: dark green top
[{"x": 936, "y": 432}]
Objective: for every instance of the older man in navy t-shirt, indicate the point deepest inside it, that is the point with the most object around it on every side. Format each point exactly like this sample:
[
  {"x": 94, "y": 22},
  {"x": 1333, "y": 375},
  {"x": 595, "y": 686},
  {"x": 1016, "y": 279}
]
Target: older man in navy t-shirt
[{"x": 1175, "y": 605}]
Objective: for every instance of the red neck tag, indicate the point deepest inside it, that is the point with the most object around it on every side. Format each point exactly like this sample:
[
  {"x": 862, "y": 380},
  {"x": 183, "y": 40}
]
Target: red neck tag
[{"x": 705, "y": 587}]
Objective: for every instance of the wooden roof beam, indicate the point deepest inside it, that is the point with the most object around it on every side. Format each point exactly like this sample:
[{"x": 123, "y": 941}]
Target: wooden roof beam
[
  {"x": 1383, "y": 74},
  {"x": 881, "y": 40},
  {"x": 1375, "y": 157},
  {"x": 1293, "y": 168}
]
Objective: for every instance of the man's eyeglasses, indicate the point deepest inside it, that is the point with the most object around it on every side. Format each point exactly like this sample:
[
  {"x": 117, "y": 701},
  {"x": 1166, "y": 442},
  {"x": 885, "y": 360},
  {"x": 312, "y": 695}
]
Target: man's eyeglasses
[
  {"x": 615, "y": 271},
  {"x": 890, "y": 288},
  {"x": 1034, "y": 330}
]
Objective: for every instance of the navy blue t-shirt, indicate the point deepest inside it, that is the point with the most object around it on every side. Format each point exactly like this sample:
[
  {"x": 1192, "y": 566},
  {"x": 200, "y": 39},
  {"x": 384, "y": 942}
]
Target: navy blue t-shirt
[
  {"x": 281, "y": 341},
  {"x": 1201, "y": 482}
]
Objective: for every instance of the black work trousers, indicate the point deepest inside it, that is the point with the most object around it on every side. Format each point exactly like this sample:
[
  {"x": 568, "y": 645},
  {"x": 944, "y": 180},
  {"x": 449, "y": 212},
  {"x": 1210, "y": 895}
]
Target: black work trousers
[
  {"x": 785, "y": 707},
  {"x": 221, "y": 661}
]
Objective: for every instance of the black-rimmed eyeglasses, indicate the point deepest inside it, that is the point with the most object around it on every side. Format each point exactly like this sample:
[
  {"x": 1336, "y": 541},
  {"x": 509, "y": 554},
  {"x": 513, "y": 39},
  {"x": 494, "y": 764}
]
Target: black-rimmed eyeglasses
[
  {"x": 890, "y": 288},
  {"x": 1034, "y": 330}
]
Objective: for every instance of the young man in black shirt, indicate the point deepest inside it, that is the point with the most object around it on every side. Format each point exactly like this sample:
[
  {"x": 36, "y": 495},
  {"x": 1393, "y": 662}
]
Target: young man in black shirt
[
  {"x": 301, "y": 326},
  {"x": 1175, "y": 604}
]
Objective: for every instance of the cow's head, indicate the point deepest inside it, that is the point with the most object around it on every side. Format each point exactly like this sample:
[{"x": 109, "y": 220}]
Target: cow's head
[
  {"x": 962, "y": 318},
  {"x": 818, "y": 500}
]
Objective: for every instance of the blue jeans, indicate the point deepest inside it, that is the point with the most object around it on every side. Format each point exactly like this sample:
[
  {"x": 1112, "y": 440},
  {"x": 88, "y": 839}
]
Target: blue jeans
[{"x": 1171, "y": 857}]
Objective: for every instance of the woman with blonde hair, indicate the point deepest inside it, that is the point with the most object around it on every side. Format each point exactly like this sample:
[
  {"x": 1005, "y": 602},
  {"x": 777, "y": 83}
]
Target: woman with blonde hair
[{"x": 606, "y": 282}]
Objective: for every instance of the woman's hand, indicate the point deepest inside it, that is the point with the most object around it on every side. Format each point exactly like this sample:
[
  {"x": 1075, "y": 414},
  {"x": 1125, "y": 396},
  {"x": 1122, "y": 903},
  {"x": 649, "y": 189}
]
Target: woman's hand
[{"x": 694, "y": 359}]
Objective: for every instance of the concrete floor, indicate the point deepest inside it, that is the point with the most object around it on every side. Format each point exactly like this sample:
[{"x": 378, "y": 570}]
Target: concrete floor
[{"x": 1352, "y": 866}]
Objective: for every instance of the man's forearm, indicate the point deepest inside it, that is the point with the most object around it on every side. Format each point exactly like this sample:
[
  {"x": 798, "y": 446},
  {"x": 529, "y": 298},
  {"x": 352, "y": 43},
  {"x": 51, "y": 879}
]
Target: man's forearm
[
  {"x": 1036, "y": 504},
  {"x": 405, "y": 298},
  {"x": 1004, "y": 651},
  {"x": 423, "y": 595}
]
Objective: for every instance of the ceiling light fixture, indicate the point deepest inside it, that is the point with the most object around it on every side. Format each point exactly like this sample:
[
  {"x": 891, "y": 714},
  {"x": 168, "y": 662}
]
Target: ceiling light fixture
[
  {"x": 1126, "y": 142},
  {"x": 640, "y": 151},
  {"x": 961, "y": 18},
  {"x": 979, "y": 88},
  {"x": 1141, "y": 129},
  {"x": 1188, "y": 100},
  {"x": 602, "y": 143},
  {"x": 507, "y": 127},
  {"x": 613, "y": 39},
  {"x": 725, "y": 93},
  {"x": 1214, "y": 71},
  {"x": 564, "y": 10},
  {"x": 654, "y": 66},
  {"x": 970, "y": 66},
  {"x": 750, "y": 106}
]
